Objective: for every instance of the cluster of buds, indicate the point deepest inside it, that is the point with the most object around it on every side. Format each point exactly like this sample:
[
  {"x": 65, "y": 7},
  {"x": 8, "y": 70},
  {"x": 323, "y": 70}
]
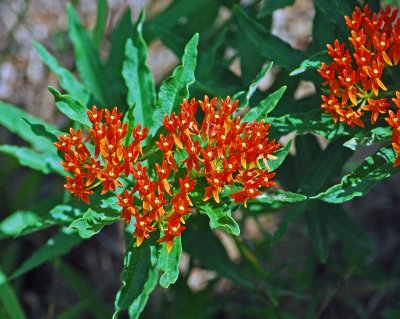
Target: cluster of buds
[
  {"x": 356, "y": 77},
  {"x": 222, "y": 151}
]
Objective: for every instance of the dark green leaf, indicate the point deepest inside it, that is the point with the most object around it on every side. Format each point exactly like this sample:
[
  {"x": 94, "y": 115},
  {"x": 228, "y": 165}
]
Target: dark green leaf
[
  {"x": 101, "y": 20},
  {"x": 176, "y": 88},
  {"x": 270, "y": 6},
  {"x": 73, "y": 312},
  {"x": 138, "y": 78},
  {"x": 9, "y": 300},
  {"x": 323, "y": 31},
  {"x": 134, "y": 276},
  {"x": 358, "y": 183},
  {"x": 265, "y": 106},
  {"x": 168, "y": 263},
  {"x": 70, "y": 106},
  {"x": 220, "y": 217},
  {"x": 87, "y": 58},
  {"x": 270, "y": 46},
  {"x": 67, "y": 80},
  {"x": 318, "y": 231},
  {"x": 281, "y": 155},
  {"x": 59, "y": 245}
]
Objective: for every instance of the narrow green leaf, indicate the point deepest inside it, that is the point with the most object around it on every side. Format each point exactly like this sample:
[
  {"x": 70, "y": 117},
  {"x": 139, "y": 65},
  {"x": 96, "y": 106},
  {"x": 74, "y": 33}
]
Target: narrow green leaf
[
  {"x": 265, "y": 107},
  {"x": 136, "y": 308},
  {"x": 204, "y": 246},
  {"x": 59, "y": 245},
  {"x": 323, "y": 31},
  {"x": 176, "y": 88},
  {"x": 270, "y": 6},
  {"x": 253, "y": 85},
  {"x": 269, "y": 46},
  {"x": 12, "y": 118},
  {"x": 70, "y": 106},
  {"x": 101, "y": 19},
  {"x": 67, "y": 80},
  {"x": 134, "y": 276},
  {"x": 220, "y": 217},
  {"x": 377, "y": 134},
  {"x": 9, "y": 300},
  {"x": 13, "y": 224},
  {"x": 313, "y": 63},
  {"x": 43, "y": 162},
  {"x": 359, "y": 182},
  {"x": 87, "y": 58},
  {"x": 168, "y": 262},
  {"x": 318, "y": 231},
  {"x": 279, "y": 196},
  {"x": 138, "y": 78},
  {"x": 93, "y": 220},
  {"x": 281, "y": 155}
]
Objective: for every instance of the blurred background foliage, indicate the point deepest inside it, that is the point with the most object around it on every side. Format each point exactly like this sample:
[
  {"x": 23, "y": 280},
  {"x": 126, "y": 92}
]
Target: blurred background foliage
[{"x": 336, "y": 261}]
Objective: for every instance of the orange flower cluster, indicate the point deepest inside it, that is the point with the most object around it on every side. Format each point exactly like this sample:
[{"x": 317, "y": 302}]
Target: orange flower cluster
[
  {"x": 221, "y": 151},
  {"x": 355, "y": 76}
]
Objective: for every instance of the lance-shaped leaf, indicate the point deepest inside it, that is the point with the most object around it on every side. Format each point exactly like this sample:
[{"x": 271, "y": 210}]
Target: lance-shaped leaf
[
  {"x": 101, "y": 19},
  {"x": 9, "y": 300},
  {"x": 279, "y": 196},
  {"x": 70, "y": 106},
  {"x": 176, "y": 87},
  {"x": 317, "y": 225},
  {"x": 138, "y": 78},
  {"x": 358, "y": 183},
  {"x": 269, "y": 46},
  {"x": 59, "y": 245},
  {"x": 313, "y": 63},
  {"x": 67, "y": 80},
  {"x": 220, "y": 217},
  {"x": 44, "y": 162},
  {"x": 12, "y": 118},
  {"x": 377, "y": 134},
  {"x": 134, "y": 276},
  {"x": 87, "y": 58},
  {"x": 281, "y": 155},
  {"x": 265, "y": 107},
  {"x": 253, "y": 86},
  {"x": 168, "y": 262}
]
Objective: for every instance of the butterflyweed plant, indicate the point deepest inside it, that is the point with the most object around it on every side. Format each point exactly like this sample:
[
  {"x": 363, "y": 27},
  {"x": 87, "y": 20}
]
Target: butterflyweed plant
[{"x": 192, "y": 173}]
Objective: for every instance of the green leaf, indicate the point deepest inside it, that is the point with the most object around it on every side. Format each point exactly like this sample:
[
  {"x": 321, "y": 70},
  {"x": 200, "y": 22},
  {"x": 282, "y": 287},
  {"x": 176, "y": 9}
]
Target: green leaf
[
  {"x": 220, "y": 217},
  {"x": 270, "y": 6},
  {"x": 138, "y": 78},
  {"x": 281, "y": 155},
  {"x": 11, "y": 117},
  {"x": 279, "y": 196},
  {"x": 70, "y": 106},
  {"x": 101, "y": 20},
  {"x": 323, "y": 31},
  {"x": 59, "y": 245},
  {"x": 265, "y": 107},
  {"x": 136, "y": 308},
  {"x": 67, "y": 80},
  {"x": 253, "y": 86},
  {"x": 13, "y": 224},
  {"x": 359, "y": 182},
  {"x": 377, "y": 134},
  {"x": 313, "y": 63},
  {"x": 176, "y": 88},
  {"x": 318, "y": 231},
  {"x": 93, "y": 220},
  {"x": 203, "y": 245},
  {"x": 168, "y": 262},
  {"x": 269, "y": 46},
  {"x": 73, "y": 312},
  {"x": 43, "y": 162},
  {"x": 134, "y": 276},
  {"x": 87, "y": 58},
  {"x": 9, "y": 300}
]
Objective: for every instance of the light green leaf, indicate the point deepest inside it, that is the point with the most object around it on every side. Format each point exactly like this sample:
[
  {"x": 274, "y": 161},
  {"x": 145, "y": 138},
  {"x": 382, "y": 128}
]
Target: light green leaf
[
  {"x": 176, "y": 87},
  {"x": 67, "y": 80},
  {"x": 138, "y": 78},
  {"x": 220, "y": 217},
  {"x": 313, "y": 62},
  {"x": 265, "y": 107},
  {"x": 101, "y": 20},
  {"x": 269, "y": 46},
  {"x": 43, "y": 162},
  {"x": 70, "y": 106},
  {"x": 377, "y": 134},
  {"x": 279, "y": 196},
  {"x": 359, "y": 182},
  {"x": 270, "y": 6},
  {"x": 59, "y": 245},
  {"x": 9, "y": 300},
  {"x": 168, "y": 262},
  {"x": 134, "y": 276},
  {"x": 87, "y": 58},
  {"x": 13, "y": 224}
]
